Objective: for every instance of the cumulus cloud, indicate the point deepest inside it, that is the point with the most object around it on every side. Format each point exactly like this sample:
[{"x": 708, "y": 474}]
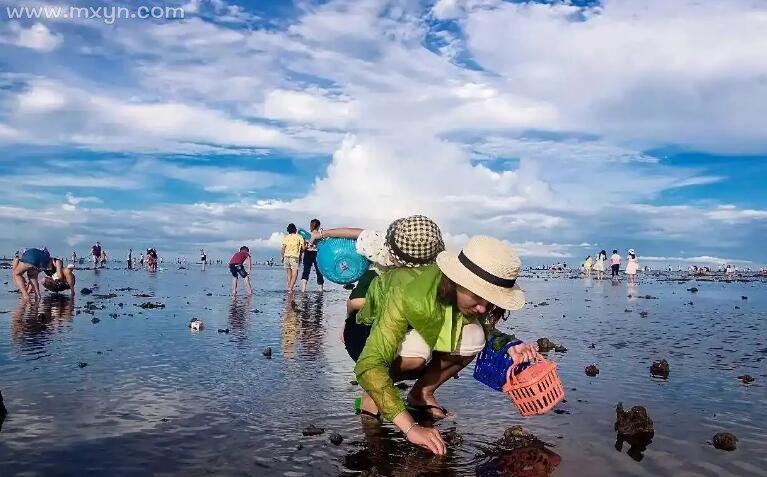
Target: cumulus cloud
[
  {"x": 36, "y": 37},
  {"x": 523, "y": 120}
]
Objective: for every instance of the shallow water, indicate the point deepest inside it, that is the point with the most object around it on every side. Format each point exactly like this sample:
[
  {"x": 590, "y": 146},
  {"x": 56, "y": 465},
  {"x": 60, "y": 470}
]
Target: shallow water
[{"x": 156, "y": 398}]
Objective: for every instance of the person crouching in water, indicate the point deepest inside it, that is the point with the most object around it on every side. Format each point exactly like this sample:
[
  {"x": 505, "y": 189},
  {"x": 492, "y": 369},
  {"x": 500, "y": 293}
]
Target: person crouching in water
[
  {"x": 237, "y": 265},
  {"x": 26, "y": 269},
  {"x": 429, "y": 323}
]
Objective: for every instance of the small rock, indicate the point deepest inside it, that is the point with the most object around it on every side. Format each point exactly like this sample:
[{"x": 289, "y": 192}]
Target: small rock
[
  {"x": 312, "y": 430},
  {"x": 86, "y": 291},
  {"x": 660, "y": 368},
  {"x": 336, "y": 438},
  {"x": 41, "y": 316},
  {"x": 725, "y": 441},
  {"x": 643, "y": 314},
  {"x": 113, "y": 315},
  {"x": 592, "y": 370},
  {"x": 545, "y": 344},
  {"x": 627, "y": 310},
  {"x": 593, "y": 346},
  {"x": 402, "y": 386},
  {"x": 560, "y": 349},
  {"x": 94, "y": 320},
  {"x": 693, "y": 289},
  {"x": 737, "y": 307},
  {"x": 149, "y": 305},
  {"x": 746, "y": 379},
  {"x": 634, "y": 421},
  {"x": 225, "y": 330},
  {"x": 354, "y": 383},
  {"x": 82, "y": 364},
  {"x": 3, "y": 410},
  {"x": 349, "y": 286},
  {"x": 543, "y": 303},
  {"x": 744, "y": 297},
  {"x": 267, "y": 352},
  {"x": 209, "y": 294}
]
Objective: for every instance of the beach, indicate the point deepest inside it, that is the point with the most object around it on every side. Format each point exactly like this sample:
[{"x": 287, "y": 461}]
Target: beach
[{"x": 109, "y": 387}]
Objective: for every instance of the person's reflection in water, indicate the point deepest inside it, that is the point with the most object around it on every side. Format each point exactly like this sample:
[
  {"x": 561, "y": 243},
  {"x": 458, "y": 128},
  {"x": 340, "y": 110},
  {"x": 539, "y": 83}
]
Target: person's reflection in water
[
  {"x": 312, "y": 329},
  {"x": 239, "y": 311},
  {"x": 289, "y": 331},
  {"x": 632, "y": 289},
  {"x": 30, "y": 323},
  {"x": 387, "y": 453}
]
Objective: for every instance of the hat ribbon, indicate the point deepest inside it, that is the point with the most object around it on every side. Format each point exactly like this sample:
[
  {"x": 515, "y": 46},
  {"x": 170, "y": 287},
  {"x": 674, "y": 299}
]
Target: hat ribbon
[{"x": 484, "y": 274}]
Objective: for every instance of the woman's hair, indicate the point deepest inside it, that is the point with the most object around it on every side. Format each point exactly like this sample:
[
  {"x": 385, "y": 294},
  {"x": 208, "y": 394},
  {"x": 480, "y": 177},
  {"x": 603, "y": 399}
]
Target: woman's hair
[
  {"x": 314, "y": 224},
  {"x": 615, "y": 251},
  {"x": 446, "y": 293},
  {"x": 603, "y": 253},
  {"x": 633, "y": 255},
  {"x": 244, "y": 249},
  {"x": 292, "y": 228}
]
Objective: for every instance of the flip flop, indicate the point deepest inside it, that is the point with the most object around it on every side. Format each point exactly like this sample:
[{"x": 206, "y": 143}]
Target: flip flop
[{"x": 424, "y": 410}]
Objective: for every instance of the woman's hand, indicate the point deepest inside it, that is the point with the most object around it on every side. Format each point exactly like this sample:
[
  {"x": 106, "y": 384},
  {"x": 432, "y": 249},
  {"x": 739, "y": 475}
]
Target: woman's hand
[
  {"x": 428, "y": 438},
  {"x": 524, "y": 352}
]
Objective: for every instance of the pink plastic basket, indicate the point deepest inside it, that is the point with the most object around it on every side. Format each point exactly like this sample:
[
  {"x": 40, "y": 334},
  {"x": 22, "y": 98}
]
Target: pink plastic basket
[{"x": 536, "y": 390}]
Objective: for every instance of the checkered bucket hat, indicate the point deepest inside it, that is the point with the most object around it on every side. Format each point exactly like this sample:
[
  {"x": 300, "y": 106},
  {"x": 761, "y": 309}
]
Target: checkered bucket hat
[{"x": 414, "y": 241}]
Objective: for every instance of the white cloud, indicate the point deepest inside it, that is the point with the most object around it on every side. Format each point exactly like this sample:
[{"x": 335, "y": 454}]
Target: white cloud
[
  {"x": 312, "y": 107},
  {"x": 37, "y": 37}
]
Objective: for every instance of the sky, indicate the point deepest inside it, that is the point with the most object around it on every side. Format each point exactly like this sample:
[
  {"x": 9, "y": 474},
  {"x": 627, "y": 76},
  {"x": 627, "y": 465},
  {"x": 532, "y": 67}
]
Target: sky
[{"x": 561, "y": 127}]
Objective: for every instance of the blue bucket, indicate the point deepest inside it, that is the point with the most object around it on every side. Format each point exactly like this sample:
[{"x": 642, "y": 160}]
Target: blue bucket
[
  {"x": 492, "y": 365},
  {"x": 339, "y": 262}
]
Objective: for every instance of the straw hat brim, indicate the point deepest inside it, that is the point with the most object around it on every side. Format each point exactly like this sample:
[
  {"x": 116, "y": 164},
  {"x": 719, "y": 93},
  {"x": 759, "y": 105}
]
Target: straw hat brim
[{"x": 511, "y": 299}]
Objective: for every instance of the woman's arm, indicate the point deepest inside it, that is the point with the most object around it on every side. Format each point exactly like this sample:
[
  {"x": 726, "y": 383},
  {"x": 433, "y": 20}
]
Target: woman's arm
[{"x": 342, "y": 232}]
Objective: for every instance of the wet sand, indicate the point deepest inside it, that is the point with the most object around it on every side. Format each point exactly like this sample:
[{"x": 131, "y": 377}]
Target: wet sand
[{"x": 157, "y": 398}]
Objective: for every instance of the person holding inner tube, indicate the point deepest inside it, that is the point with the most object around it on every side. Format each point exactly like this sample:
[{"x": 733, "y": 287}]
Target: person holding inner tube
[
  {"x": 430, "y": 321},
  {"x": 26, "y": 269}
]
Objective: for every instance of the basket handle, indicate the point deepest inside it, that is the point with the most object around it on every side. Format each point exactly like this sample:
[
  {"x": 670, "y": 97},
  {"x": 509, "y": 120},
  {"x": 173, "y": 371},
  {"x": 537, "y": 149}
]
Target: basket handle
[{"x": 511, "y": 376}]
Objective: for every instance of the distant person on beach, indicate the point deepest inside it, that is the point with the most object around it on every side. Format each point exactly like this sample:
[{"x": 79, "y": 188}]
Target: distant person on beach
[
  {"x": 411, "y": 337},
  {"x": 237, "y": 265},
  {"x": 292, "y": 248},
  {"x": 96, "y": 254},
  {"x": 203, "y": 258},
  {"x": 586, "y": 267},
  {"x": 26, "y": 269},
  {"x": 130, "y": 259},
  {"x": 632, "y": 266},
  {"x": 599, "y": 264},
  {"x": 615, "y": 263},
  {"x": 310, "y": 259},
  {"x": 151, "y": 259},
  {"x": 103, "y": 257},
  {"x": 74, "y": 257}
]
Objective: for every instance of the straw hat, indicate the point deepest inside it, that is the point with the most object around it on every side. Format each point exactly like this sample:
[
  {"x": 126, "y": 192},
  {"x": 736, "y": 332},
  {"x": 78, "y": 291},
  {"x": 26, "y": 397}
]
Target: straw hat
[
  {"x": 487, "y": 267},
  {"x": 414, "y": 241},
  {"x": 631, "y": 251}
]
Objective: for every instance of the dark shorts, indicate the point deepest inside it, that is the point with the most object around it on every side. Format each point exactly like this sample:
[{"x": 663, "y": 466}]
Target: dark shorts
[
  {"x": 355, "y": 336},
  {"x": 237, "y": 270},
  {"x": 37, "y": 258},
  {"x": 615, "y": 269}
]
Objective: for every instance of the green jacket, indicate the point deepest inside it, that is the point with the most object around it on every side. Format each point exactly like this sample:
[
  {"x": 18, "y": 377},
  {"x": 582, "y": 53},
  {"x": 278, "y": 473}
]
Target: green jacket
[{"x": 396, "y": 300}]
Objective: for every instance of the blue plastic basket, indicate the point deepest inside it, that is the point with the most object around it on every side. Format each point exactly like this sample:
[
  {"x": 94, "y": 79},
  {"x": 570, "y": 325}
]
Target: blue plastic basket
[
  {"x": 492, "y": 365},
  {"x": 339, "y": 262}
]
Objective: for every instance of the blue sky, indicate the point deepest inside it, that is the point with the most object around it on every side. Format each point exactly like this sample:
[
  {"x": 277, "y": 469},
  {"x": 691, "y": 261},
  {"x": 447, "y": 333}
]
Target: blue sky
[{"x": 563, "y": 127}]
